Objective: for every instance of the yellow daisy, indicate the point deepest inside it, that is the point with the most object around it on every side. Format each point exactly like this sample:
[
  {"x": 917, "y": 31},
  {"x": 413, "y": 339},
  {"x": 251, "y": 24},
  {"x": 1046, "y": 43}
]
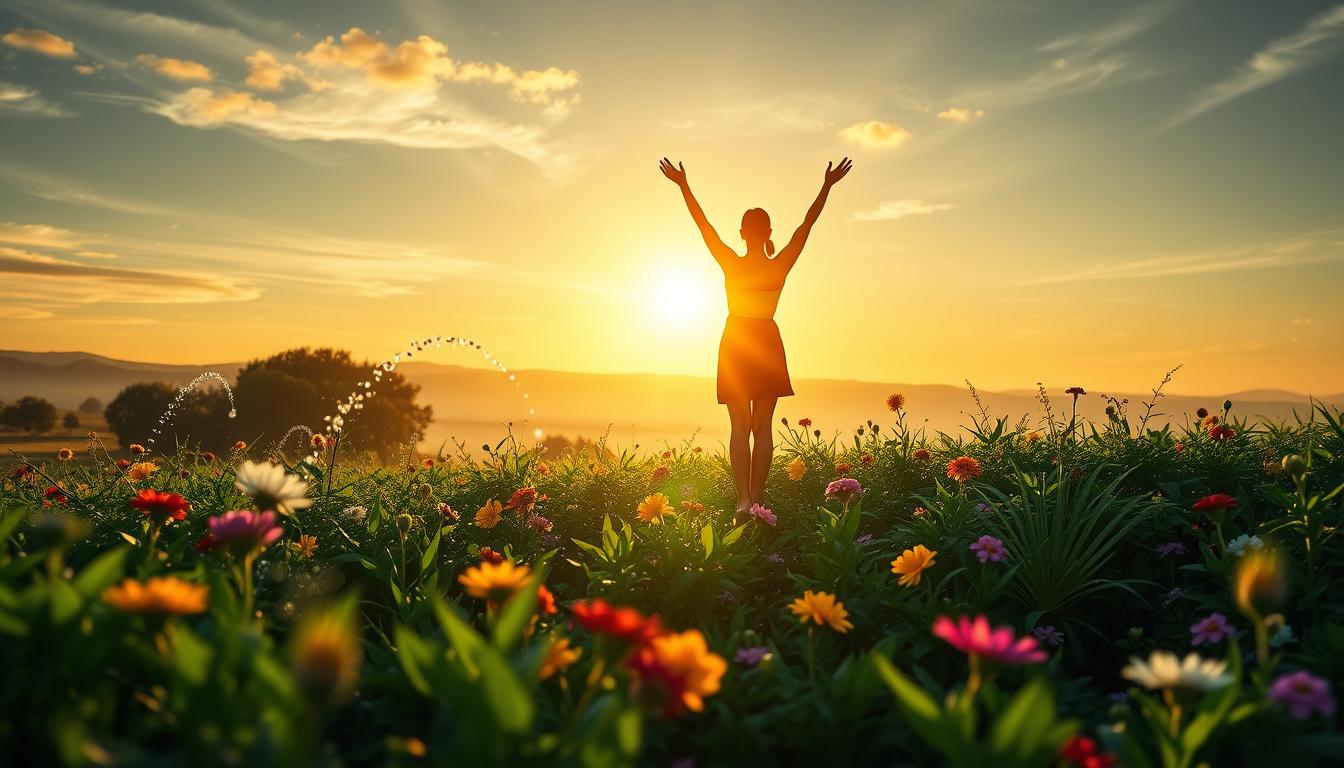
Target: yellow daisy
[
  {"x": 797, "y": 468},
  {"x": 494, "y": 581},
  {"x": 911, "y": 565},
  {"x": 488, "y": 516},
  {"x": 559, "y": 656},
  {"x": 652, "y": 509},
  {"x": 822, "y": 608}
]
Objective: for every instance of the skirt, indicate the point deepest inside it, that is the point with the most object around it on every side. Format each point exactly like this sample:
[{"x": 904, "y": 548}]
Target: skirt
[{"x": 751, "y": 361}]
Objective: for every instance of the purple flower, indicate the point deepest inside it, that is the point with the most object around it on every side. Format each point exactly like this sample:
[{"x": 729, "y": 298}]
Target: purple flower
[
  {"x": 727, "y": 597},
  {"x": 243, "y": 530},
  {"x": 540, "y": 522},
  {"x": 1176, "y": 593},
  {"x": 1048, "y": 634},
  {"x": 987, "y": 548},
  {"x": 760, "y": 512},
  {"x": 751, "y": 655},
  {"x": 843, "y": 489},
  {"x": 1170, "y": 548},
  {"x": 776, "y": 558},
  {"x": 864, "y": 539},
  {"x": 1302, "y": 692},
  {"x": 984, "y": 508},
  {"x": 1211, "y": 629}
]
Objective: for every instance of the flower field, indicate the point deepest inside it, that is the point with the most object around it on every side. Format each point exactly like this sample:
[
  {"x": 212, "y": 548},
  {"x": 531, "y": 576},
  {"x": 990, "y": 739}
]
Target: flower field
[{"x": 1076, "y": 594}]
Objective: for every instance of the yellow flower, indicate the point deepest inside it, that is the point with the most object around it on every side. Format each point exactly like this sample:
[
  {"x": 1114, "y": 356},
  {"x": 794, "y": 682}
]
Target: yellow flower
[
  {"x": 558, "y": 656},
  {"x": 141, "y": 470},
  {"x": 326, "y": 654},
  {"x": 494, "y": 581},
  {"x": 797, "y": 468},
  {"x": 652, "y": 509},
  {"x": 488, "y": 516},
  {"x": 1260, "y": 584},
  {"x": 161, "y": 594},
  {"x": 911, "y": 565},
  {"x": 306, "y": 546},
  {"x": 683, "y": 664},
  {"x": 822, "y": 608},
  {"x": 65, "y": 454}
]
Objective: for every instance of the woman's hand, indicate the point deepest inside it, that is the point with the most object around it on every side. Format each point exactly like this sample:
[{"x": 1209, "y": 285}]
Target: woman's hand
[
  {"x": 674, "y": 172},
  {"x": 832, "y": 175}
]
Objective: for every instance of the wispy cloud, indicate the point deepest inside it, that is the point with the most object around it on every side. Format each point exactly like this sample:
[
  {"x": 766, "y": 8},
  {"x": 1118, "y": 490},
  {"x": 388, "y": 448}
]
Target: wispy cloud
[
  {"x": 1319, "y": 38},
  {"x": 1303, "y": 250},
  {"x": 183, "y": 70},
  {"x": 877, "y": 134},
  {"x": 39, "y": 41},
  {"x": 960, "y": 114},
  {"x": 25, "y": 313},
  {"x": 20, "y": 98},
  {"x": 41, "y": 277},
  {"x": 891, "y": 210}
]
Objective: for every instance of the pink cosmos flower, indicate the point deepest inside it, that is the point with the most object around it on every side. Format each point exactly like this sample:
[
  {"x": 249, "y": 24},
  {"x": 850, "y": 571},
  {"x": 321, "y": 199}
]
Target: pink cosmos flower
[
  {"x": 1302, "y": 692},
  {"x": 975, "y": 638},
  {"x": 244, "y": 530},
  {"x": 1210, "y": 629},
  {"x": 540, "y": 522},
  {"x": 844, "y": 489},
  {"x": 989, "y": 549},
  {"x": 760, "y": 512}
]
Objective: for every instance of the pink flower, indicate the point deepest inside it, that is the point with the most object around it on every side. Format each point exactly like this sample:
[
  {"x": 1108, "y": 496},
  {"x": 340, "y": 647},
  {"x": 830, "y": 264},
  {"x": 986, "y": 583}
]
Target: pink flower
[
  {"x": 540, "y": 522},
  {"x": 1302, "y": 692},
  {"x": 1210, "y": 629},
  {"x": 243, "y": 530},
  {"x": 661, "y": 472},
  {"x": 989, "y": 549},
  {"x": 843, "y": 489},
  {"x": 975, "y": 638},
  {"x": 760, "y": 512}
]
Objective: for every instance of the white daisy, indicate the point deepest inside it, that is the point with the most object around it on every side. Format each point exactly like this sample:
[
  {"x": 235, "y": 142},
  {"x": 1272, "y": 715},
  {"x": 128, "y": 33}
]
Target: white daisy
[
  {"x": 271, "y": 488},
  {"x": 1164, "y": 670},
  {"x": 1239, "y": 545}
]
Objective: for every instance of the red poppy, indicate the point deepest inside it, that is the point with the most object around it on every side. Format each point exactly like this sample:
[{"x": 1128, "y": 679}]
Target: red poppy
[
  {"x": 161, "y": 505},
  {"x": 54, "y": 493},
  {"x": 1221, "y": 432},
  {"x": 625, "y": 624},
  {"x": 1216, "y": 502}
]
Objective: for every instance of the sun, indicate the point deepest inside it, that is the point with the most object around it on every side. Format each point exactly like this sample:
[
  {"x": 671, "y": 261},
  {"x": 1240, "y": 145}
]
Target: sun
[{"x": 680, "y": 297}]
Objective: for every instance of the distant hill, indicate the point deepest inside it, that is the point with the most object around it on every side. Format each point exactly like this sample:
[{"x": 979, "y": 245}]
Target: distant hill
[{"x": 475, "y": 404}]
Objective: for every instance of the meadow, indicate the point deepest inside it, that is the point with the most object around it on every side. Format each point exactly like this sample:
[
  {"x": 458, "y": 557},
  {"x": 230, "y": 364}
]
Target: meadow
[{"x": 1070, "y": 593}]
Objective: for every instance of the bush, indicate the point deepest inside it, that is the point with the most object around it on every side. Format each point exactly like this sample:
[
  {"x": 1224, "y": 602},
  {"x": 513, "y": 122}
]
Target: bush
[{"x": 29, "y": 414}]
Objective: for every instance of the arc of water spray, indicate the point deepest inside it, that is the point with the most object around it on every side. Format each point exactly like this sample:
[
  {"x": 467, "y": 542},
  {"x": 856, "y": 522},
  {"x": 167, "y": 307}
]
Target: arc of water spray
[
  {"x": 280, "y": 444},
  {"x": 365, "y": 390},
  {"x": 182, "y": 393}
]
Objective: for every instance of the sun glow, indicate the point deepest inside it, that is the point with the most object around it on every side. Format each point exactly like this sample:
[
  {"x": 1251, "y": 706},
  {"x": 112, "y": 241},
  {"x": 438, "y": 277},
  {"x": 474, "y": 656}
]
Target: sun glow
[{"x": 681, "y": 297}]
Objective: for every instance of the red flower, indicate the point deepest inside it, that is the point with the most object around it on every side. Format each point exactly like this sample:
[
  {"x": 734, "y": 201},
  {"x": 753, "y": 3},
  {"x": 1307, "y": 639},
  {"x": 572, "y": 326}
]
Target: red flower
[
  {"x": 667, "y": 454},
  {"x": 625, "y": 624},
  {"x": 123, "y": 464},
  {"x": 1221, "y": 432},
  {"x": 545, "y": 601},
  {"x": 161, "y": 505},
  {"x": 489, "y": 555},
  {"x": 1075, "y": 391},
  {"x": 804, "y": 423},
  {"x": 23, "y": 471},
  {"x": 205, "y": 543},
  {"x": 1180, "y": 447},
  {"x": 522, "y": 499},
  {"x": 661, "y": 472},
  {"x": 866, "y": 459},
  {"x": 1217, "y": 502},
  {"x": 1202, "y": 413},
  {"x": 1083, "y": 752},
  {"x": 922, "y": 455},
  {"x": 207, "y": 456},
  {"x": 842, "y": 469},
  {"x": 54, "y": 493}
]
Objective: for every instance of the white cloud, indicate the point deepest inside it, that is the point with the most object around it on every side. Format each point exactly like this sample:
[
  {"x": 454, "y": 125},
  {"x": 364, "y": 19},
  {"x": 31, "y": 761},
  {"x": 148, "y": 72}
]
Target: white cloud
[
  {"x": 20, "y": 98},
  {"x": 960, "y": 114},
  {"x": 876, "y": 133},
  {"x": 1314, "y": 42},
  {"x": 891, "y": 210}
]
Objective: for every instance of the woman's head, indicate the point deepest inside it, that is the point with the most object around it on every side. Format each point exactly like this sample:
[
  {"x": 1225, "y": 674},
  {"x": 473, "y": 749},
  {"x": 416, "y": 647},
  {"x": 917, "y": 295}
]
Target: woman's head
[{"x": 756, "y": 230}]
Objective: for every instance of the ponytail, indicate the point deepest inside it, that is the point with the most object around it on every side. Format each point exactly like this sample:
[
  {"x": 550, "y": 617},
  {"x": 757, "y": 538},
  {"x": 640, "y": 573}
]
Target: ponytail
[{"x": 769, "y": 247}]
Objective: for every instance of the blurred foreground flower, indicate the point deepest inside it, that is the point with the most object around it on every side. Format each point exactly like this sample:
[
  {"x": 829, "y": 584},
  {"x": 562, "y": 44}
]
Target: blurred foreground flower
[
  {"x": 326, "y": 654},
  {"x": 244, "y": 531},
  {"x": 495, "y": 582},
  {"x": 559, "y": 655},
  {"x": 625, "y": 624},
  {"x": 683, "y": 666},
  {"x": 161, "y": 595},
  {"x": 1303, "y": 693},
  {"x": 1163, "y": 670},
  {"x": 1000, "y": 645},
  {"x": 271, "y": 488}
]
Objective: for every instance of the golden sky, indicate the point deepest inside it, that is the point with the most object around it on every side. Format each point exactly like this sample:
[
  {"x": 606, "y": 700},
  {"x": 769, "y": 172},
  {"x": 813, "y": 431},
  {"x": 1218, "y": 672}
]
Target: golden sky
[{"x": 1045, "y": 191}]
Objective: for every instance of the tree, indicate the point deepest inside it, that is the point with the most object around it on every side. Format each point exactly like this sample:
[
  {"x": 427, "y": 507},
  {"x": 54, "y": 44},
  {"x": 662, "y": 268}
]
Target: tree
[
  {"x": 301, "y": 386},
  {"x": 200, "y": 419},
  {"x": 71, "y": 421},
  {"x": 91, "y": 406},
  {"x": 29, "y": 414}
]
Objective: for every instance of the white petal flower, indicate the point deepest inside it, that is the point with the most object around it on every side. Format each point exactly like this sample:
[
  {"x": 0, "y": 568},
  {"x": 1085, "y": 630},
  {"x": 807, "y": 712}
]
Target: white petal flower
[
  {"x": 1239, "y": 545},
  {"x": 1164, "y": 670},
  {"x": 271, "y": 488}
]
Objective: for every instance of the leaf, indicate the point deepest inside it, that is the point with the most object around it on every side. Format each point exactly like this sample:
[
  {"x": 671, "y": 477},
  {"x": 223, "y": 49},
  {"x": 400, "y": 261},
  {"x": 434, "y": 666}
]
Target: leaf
[
  {"x": 516, "y": 615},
  {"x": 431, "y": 552},
  {"x": 1021, "y": 730},
  {"x": 923, "y": 715},
  {"x": 100, "y": 574},
  {"x": 707, "y": 539},
  {"x": 734, "y": 535}
]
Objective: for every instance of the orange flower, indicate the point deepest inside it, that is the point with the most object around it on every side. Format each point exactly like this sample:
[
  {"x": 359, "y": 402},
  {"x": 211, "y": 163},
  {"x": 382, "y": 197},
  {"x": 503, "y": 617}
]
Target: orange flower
[
  {"x": 494, "y": 581},
  {"x": 895, "y": 401},
  {"x": 65, "y": 454},
  {"x": 683, "y": 666},
  {"x": 427, "y": 463},
  {"x": 488, "y": 515},
  {"x": 326, "y": 654},
  {"x": 797, "y": 468},
  {"x": 911, "y": 564},
  {"x": 545, "y": 601},
  {"x": 627, "y": 624},
  {"x": 141, "y": 470},
  {"x": 558, "y": 656},
  {"x": 136, "y": 449},
  {"x": 305, "y": 547},
  {"x": 161, "y": 594},
  {"x": 963, "y": 469},
  {"x": 164, "y": 507},
  {"x": 822, "y": 608},
  {"x": 239, "y": 446},
  {"x": 652, "y": 509}
]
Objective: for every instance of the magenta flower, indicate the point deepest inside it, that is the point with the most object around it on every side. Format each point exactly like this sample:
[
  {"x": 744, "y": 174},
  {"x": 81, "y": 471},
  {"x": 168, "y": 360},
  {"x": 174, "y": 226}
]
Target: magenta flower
[
  {"x": 243, "y": 530},
  {"x": 760, "y": 512},
  {"x": 843, "y": 489},
  {"x": 540, "y": 522},
  {"x": 776, "y": 558},
  {"x": 975, "y": 638},
  {"x": 1302, "y": 692},
  {"x": 989, "y": 549},
  {"x": 751, "y": 655},
  {"x": 1211, "y": 629}
]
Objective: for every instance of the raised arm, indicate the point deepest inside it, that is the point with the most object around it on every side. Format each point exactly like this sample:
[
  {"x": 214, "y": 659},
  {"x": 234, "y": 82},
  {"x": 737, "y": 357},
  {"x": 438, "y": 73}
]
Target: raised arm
[
  {"x": 794, "y": 249},
  {"x": 677, "y": 174}
]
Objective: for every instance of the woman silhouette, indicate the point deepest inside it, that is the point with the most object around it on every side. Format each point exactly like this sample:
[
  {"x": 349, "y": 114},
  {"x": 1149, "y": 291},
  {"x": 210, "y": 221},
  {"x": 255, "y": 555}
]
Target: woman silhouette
[{"x": 753, "y": 373}]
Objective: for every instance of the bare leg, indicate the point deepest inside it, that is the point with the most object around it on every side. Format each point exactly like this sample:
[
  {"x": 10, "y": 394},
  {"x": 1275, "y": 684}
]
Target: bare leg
[
  {"x": 763, "y": 445},
  {"x": 739, "y": 450}
]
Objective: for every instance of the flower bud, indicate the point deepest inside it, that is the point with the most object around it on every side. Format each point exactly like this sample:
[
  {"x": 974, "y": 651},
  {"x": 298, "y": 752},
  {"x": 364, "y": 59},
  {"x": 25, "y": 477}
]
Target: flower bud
[
  {"x": 1260, "y": 585},
  {"x": 404, "y": 523},
  {"x": 1295, "y": 466},
  {"x": 425, "y": 490},
  {"x": 1227, "y": 406}
]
